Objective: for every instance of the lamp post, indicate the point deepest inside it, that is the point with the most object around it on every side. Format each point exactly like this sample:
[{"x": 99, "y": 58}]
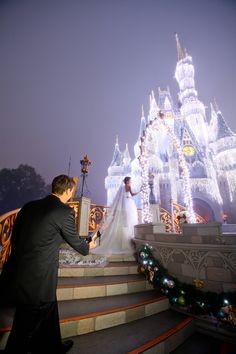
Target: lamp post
[
  {"x": 84, "y": 203},
  {"x": 85, "y": 163}
]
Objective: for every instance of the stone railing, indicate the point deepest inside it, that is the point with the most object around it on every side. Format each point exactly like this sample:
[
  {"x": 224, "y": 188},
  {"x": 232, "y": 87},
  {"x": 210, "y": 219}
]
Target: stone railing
[
  {"x": 202, "y": 252},
  {"x": 98, "y": 214},
  {"x": 6, "y": 224}
]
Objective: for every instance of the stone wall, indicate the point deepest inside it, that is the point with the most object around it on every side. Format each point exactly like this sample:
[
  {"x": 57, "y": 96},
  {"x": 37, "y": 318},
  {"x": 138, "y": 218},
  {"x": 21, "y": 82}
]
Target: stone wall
[{"x": 201, "y": 251}]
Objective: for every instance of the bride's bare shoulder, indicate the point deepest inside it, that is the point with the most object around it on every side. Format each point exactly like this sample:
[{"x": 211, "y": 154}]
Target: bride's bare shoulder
[{"x": 127, "y": 188}]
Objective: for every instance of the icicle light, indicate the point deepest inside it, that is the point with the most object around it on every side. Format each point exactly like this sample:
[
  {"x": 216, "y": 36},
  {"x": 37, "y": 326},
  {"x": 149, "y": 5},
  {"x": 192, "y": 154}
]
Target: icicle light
[{"x": 143, "y": 158}]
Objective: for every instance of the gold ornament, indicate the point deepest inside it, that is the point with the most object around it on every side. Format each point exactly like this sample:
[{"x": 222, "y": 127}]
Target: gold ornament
[
  {"x": 142, "y": 270},
  {"x": 232, "y": 316},
  {"x": 151, "y": 275},
  {"x": 181, "y": 300},
  {"x": 199, "y": 284}
]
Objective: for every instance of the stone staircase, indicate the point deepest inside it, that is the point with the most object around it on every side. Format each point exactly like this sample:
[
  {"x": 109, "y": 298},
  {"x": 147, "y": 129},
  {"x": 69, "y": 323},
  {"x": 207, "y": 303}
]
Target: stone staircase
[
  {"x": 205, "y": 344},
  {"x": 111, "y": 309}
]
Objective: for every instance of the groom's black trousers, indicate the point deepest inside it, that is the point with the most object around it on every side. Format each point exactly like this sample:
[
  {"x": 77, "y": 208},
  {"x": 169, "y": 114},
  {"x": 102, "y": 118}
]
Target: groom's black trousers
[{"x": 35, "y": 330}]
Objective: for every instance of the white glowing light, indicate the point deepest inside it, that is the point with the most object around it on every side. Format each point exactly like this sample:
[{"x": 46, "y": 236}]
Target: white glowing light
[{"x": 145, "y": 141}]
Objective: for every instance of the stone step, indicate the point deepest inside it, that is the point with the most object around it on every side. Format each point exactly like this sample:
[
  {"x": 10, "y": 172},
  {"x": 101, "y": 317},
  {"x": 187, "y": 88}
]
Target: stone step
[
  {"x": 121, "y": 258},
  {"x": 89, "y": 315},
  {"x": 112, "y": 268},
  {"x": 204, "y": 344},
  {"x": 207, "y": 327},
  {"x": 159, "y": 333},
  {"x": 71, "y": 257},
  {"x": 90, "y": 287}
]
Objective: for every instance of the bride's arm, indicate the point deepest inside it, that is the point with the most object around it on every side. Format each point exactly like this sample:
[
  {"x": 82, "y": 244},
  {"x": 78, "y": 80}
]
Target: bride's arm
[{"x": 132, "y": 193}]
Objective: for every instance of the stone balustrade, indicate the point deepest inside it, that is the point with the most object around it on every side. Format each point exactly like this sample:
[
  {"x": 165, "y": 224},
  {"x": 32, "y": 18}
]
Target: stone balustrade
[{"x": 201, "y": 251}]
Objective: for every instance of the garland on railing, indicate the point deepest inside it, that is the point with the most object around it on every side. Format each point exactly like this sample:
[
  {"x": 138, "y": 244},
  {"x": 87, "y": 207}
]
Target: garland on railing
[{"x": 188, "y": 296}]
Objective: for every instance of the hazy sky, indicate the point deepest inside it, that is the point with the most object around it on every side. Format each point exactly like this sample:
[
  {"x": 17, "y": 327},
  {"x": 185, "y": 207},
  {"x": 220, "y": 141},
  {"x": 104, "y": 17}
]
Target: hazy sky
[{"x": 74, "y": 74}]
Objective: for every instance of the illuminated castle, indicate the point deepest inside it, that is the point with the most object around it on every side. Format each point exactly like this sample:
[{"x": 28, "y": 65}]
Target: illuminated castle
[{"x": 208, "y": 147}]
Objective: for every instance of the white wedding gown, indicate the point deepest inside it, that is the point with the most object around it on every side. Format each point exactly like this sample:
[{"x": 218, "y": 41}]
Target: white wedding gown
[{"x": 118, "y": 229}]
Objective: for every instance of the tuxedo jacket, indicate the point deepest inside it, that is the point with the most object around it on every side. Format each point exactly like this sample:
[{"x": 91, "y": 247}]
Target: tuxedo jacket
[{"x": 30, "y": 274}]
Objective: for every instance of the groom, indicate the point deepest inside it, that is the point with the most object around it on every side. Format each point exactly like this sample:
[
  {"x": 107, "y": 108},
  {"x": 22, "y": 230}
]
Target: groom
[{"x": 29, "y": 278}]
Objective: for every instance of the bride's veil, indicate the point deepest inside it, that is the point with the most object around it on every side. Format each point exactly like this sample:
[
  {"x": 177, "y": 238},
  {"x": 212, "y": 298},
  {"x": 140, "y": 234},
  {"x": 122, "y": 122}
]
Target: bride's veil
[
  {"x": 116, "y": 207},
  {"x": 115, "y": 234}
]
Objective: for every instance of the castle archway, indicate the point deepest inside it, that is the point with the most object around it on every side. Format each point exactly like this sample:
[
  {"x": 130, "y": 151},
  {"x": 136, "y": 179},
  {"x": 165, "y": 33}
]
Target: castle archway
[{"x": 201, "y": 207}]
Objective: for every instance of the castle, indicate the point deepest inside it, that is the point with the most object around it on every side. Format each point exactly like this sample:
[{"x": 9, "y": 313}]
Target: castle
[{"x": 208, "y": 147}]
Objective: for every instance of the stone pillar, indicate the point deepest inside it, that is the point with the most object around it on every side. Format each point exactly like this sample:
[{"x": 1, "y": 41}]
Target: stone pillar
[
  {"x": 83, "y": 217},
  {"x": 155, "y": 213}
]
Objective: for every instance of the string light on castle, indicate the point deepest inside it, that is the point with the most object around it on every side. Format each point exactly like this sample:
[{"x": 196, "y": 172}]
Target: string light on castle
[
  {"x": 146, "y": 212},
  {"x": 185, "y": 172},
  {"x": 190, "y": 152},
  {"x": 145, "y": 141}
]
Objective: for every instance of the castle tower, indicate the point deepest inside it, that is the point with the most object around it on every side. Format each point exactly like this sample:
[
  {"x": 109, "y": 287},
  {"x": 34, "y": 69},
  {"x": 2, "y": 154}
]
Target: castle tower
[
  {"x": 115, "y": 173},
  {"x": 126, "y": 156},
  {"x": 165, "y": 101},
  {"x": 224, "y": 157},
  {"x": 191, "y": 108},
  {"x": 154, "y": 109},
  {"x": 119, "y": 168},
  {"x": 166, "y": 104},
  {"x": 141, "y": 130}
]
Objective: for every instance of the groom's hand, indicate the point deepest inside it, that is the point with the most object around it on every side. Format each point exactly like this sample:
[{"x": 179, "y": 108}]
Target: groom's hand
[{"x": 92, "y": 244}]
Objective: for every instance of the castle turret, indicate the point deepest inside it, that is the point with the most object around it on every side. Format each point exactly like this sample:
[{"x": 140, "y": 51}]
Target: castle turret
[
  {"x": 223, "y": 138},
  {"x": 118, "y": 169},
  {"x": 154, "y": 109},
  {"x": 117, "y": 156},
  {"x": 165, "y": 101},
  {"x": 142, "y": 124},
  {"x": 115, "y": 174},
  {"x": 223, "y": 130},
  {"x": 191, "y": 108},
  {"x": 166, "y": 104},
  {"x": 126, "y": 156},
  {"x": 213, "y": 126}
]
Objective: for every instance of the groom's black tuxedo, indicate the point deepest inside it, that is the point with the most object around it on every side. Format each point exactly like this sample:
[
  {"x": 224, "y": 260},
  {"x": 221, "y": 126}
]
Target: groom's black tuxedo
[
  {"x": 29, "y": 278},
  {"x": 30, "y": 275}
]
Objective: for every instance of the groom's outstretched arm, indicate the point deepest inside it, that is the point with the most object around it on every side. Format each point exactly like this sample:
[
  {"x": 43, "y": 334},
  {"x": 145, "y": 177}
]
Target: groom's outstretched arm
[{"x": 70, "y": 235}]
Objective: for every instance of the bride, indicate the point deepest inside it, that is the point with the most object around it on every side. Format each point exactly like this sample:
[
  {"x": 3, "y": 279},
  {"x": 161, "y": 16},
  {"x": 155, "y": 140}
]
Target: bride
[{"x": 118, "y": 229}]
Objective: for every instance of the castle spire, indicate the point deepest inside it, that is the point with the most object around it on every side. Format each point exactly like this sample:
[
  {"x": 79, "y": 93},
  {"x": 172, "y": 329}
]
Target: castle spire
[
  {"x": 218, "y": 122},
  {"x": 215, "y": 105},
  {"x": 181, "y": 53},
  {"x": 126, "y": 155},
  {"x": 117, "y": 141},
  {"x": 223, "y": 128},
  {"x": 154, "y": 109},
  {"x": 213, "y": 111},
  {"x": 142, "y": 124},
  {"x": 116, "y": 160},
  {"x": 150, "y": 100},
  {"x": 142, "y": 114}
]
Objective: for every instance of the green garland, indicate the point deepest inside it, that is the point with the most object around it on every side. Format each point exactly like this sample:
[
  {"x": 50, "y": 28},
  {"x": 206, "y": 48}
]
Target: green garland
[{"x": 194, "y": 300}]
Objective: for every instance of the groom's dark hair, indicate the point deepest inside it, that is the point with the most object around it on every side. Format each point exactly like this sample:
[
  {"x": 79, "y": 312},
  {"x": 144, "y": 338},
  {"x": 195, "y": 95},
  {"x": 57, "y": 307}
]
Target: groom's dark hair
[{"x": 61, "y": 183}]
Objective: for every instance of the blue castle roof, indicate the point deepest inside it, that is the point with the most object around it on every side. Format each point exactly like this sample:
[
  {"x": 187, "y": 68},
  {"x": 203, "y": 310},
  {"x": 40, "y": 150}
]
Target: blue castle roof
[{"x": 223, "y": 128}]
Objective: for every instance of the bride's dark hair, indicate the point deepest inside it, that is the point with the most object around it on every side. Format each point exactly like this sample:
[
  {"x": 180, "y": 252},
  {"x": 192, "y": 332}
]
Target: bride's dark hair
[{"x": 126, "y": 179}]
